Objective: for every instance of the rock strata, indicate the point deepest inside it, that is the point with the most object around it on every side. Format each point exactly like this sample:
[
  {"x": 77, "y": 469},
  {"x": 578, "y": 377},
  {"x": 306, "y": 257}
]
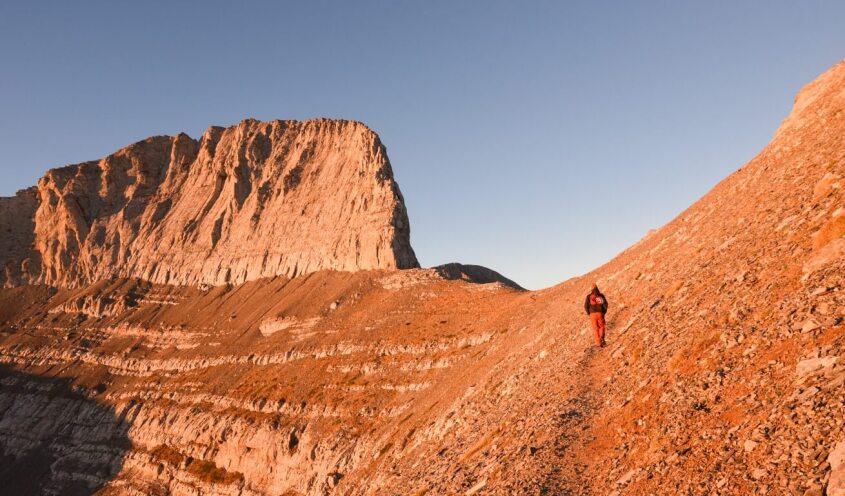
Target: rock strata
[
  {"x": 19, "y": 262},
  {"x": 258, "y": 199}
]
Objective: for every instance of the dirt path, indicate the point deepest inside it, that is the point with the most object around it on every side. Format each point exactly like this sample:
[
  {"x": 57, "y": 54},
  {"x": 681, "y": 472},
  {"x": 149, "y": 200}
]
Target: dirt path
[{"x": 566, "y": 459}]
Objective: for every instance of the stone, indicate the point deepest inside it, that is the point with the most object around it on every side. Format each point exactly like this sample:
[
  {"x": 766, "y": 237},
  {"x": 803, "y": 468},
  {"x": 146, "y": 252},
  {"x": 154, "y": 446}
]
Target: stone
[
  {"x": 833, "y": 229},
  {"x": 258, "y": 199},
  {"x": 810, "y": 365},
  {"x": 826, "y": 185},
  {"x": 829, "y": 254},
  {"x": 808, "y": 394},
  {"x": 809, "y": 326},
  {"x": 626, "y": 478},
  {"x": 836, "y": 459},
  {"x": 476, "y": 488}
]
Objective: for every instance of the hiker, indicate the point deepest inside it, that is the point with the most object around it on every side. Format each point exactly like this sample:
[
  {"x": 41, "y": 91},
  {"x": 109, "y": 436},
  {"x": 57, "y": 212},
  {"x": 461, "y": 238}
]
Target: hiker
[{"x": 596, "y": 306}]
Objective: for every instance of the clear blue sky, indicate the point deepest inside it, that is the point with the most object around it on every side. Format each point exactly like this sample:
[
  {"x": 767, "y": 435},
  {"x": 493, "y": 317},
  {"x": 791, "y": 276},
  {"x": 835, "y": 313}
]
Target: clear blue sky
[{"x": 536, "y": 138}]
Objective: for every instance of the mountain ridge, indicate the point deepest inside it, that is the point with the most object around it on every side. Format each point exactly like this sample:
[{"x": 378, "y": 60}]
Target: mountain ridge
[
  {"x": 723, "y": 372},
  {"x": 201, "y": 203}
]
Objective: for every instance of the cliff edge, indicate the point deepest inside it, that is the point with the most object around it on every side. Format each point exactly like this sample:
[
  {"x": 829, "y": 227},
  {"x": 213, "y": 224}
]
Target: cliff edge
[{"x": 258, "y": 199}]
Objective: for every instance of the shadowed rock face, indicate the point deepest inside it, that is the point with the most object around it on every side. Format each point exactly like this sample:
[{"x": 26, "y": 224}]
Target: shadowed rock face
[
  {"x": 54, "y": 439},
  {"x": 259, "y": 199},
  {"x": 17, "y": 236},
  {"x": 473, "y": 273}
]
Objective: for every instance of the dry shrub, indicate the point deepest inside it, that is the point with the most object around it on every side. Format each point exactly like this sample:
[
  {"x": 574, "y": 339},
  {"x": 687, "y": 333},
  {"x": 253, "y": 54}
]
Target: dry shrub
[
  {"x": 208, "y": 471},
  {"x": 165, "y": 453}
]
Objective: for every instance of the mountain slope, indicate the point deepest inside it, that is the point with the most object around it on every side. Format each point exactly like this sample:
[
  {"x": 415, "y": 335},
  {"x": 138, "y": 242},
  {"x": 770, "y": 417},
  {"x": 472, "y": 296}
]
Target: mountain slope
[{"x": 724, "y": 373}]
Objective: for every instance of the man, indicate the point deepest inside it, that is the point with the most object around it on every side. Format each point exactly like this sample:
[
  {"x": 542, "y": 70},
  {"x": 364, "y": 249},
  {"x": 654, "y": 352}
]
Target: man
[{"x": 596, "y": 306}]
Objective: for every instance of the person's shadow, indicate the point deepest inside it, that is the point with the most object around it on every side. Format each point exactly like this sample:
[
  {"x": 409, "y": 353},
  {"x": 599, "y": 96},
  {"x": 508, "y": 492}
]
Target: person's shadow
[{"x": 54, "y": 440}]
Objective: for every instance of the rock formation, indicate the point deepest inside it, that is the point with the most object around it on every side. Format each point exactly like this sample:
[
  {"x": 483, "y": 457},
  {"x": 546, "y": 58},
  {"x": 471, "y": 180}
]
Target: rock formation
[
  {"x": 723, "y": 375},
  {"x": 250, "y": 201},
  {"x": 18, "y": 259}
]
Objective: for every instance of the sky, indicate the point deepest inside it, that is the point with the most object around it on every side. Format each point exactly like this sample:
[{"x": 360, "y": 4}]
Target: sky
[{"x": 537, "y": 138}]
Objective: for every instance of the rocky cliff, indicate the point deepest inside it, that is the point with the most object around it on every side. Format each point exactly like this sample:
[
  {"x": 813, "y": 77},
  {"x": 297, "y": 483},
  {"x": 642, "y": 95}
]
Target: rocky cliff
[
  {"x": 19, "y": 260},
  {"x": 255, "y": 200},
  {"x": 723, "y": 375}
]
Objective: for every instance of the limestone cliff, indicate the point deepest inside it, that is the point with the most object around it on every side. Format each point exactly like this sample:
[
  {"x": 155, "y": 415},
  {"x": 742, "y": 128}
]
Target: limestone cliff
[
  {"x": 255, "y": 200},
  {"x": 18, "y": 259}
]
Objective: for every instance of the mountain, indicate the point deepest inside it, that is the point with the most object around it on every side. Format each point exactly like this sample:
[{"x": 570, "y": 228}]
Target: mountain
[
  {"x": 259, "y": 199},
  {"x": 723, "y": 375},
  {"x": 724, "y": 372}
]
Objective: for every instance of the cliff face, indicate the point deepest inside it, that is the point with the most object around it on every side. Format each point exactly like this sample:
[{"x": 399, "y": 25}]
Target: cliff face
[
  {"x": 250, "y": 201},
  {"x": 279, "y": 386},
  {"x": 19, "y": 261}
]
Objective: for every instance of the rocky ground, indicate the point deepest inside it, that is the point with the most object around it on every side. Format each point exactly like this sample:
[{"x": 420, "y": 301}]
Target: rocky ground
[
  {"x": 287, "y": 385},
  {"x": 724, "y": 371},
  {"x": 723, "y": 375}
]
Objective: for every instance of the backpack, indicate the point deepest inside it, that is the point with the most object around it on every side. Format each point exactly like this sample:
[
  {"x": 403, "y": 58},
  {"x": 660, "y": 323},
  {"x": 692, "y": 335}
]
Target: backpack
[{"x": 597, "y": 303}]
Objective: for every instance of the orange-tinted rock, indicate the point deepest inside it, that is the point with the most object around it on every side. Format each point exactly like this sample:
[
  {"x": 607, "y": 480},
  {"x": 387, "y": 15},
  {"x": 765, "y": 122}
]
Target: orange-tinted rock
[
  {"x": 259, "y": 199},
  {"x": 17, "y": 234},
  {"x": 723, "y": 372}
]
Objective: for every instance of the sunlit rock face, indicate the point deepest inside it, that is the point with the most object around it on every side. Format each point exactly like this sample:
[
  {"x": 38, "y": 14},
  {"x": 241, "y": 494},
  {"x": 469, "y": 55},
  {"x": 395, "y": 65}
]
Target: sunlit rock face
[{"x": 258, "y": 199}]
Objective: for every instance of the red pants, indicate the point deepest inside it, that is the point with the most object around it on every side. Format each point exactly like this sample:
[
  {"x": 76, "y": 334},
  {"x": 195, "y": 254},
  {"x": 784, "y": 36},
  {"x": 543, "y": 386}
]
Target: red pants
[{"x": 597, "y": 318}]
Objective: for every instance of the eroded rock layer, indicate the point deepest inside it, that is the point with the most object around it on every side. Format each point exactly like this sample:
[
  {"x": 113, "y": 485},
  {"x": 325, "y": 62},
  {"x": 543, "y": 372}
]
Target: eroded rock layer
[
  {"x": 283, "y": 386},
  {"x": 259, "y": 199}
]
